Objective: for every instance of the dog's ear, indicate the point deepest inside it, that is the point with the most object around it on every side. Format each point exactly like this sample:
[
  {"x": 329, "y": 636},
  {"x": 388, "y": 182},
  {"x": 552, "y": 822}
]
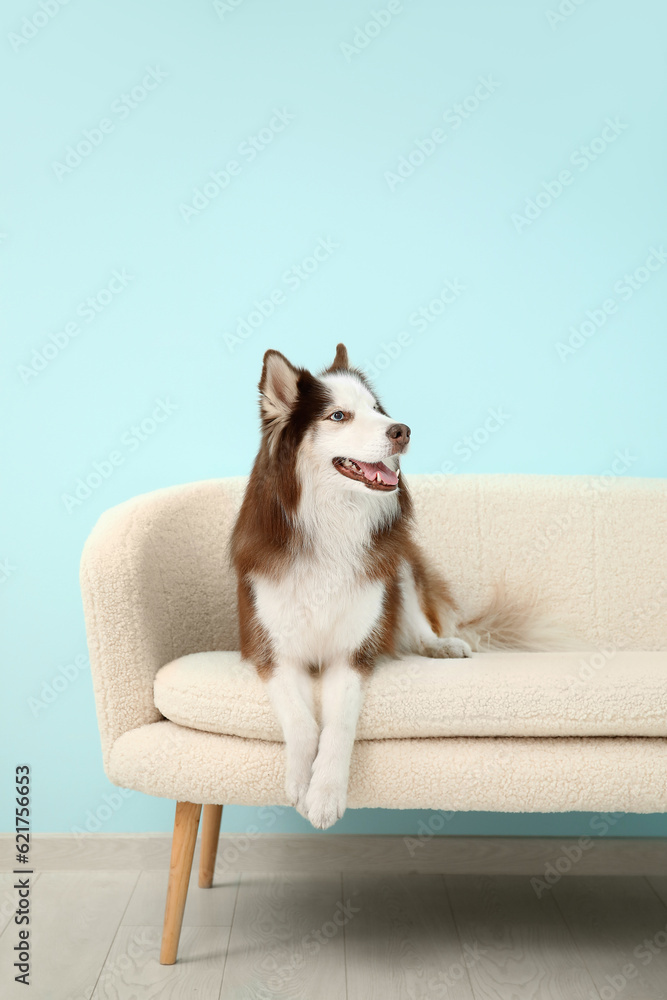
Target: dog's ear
[
  {"x": 278, "y": 387},
  {"x": 341, "y": 360}
]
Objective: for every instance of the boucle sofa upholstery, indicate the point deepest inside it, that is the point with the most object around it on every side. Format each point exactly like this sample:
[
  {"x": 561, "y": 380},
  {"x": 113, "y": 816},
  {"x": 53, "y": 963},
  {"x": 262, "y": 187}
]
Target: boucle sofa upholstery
[
  {"x": 513, "y": 732},
  {"x": 454, "y": 775},
  {"x": 596, "y": 693}
]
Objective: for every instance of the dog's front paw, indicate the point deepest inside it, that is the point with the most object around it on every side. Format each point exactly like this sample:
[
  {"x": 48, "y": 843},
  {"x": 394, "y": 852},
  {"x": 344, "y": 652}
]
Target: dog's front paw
[
  {"x": 300, "y": 755},
  {"x": 296, "y": 791},
  {"x": 325, "y": 805},
  {"x": 444, "y": 649}
]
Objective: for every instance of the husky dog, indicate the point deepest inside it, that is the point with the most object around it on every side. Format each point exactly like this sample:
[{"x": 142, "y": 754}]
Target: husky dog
[{"x": 330, "y": 578}]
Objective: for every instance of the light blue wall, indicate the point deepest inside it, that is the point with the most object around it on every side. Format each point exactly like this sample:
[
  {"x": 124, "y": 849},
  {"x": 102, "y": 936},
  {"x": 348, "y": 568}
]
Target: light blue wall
[{"x": 346, "y": 108}]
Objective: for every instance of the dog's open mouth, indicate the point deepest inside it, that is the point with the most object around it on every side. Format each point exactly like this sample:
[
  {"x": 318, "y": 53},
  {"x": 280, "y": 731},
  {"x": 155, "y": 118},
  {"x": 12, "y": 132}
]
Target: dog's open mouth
[{"x": 374, "y": 475}]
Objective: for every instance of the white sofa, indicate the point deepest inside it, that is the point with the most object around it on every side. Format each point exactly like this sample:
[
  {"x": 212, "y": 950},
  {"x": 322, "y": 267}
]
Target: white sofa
[{"x": 516, "y": 732}]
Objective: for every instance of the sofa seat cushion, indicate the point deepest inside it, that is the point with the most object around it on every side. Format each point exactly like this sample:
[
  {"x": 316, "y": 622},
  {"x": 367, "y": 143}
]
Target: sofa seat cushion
[{"x": 594, "y": 693}]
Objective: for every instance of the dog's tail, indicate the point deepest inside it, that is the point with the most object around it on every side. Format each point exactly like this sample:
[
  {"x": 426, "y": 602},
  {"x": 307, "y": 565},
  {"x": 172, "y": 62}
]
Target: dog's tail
[{"x": 510, "y": 624}]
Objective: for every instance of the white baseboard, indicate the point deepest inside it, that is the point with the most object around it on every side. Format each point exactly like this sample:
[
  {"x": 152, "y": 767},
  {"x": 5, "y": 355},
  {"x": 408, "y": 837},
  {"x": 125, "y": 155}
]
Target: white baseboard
[{"x": 355, "y": 853}]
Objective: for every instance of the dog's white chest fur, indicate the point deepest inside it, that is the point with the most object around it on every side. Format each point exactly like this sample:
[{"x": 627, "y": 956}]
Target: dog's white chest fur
[
  {"x": 323, "y": 607},
  {"x": 314, "y": 614}
]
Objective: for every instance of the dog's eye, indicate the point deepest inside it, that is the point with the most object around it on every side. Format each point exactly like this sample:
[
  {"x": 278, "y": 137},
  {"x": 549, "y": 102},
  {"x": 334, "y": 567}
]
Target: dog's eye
[{"x": 338, "y": 415}]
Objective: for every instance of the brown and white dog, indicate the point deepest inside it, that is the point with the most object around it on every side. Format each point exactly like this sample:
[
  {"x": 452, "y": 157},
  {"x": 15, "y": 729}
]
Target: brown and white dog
[{"x": 329, "y": 576}]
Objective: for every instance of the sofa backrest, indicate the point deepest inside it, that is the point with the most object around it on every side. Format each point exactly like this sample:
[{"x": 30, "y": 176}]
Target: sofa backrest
[{"x": 593, "y": 548}]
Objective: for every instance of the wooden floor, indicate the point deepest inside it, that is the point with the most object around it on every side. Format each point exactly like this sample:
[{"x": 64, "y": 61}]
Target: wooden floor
[{"x": 96, "y": 934}]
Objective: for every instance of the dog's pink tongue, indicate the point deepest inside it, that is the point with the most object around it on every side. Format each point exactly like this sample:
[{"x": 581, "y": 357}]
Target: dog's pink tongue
[{"x": 371, "y": 469}]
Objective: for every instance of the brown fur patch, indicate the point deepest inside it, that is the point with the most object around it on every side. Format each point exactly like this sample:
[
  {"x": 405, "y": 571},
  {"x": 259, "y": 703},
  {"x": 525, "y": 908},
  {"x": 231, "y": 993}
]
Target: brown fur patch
[
  {"x": 255, "y": 641},
  {"x": 435, "y": 598},
  {"x": 390, "y": 542},
  {"x": 382, "y": 642}
]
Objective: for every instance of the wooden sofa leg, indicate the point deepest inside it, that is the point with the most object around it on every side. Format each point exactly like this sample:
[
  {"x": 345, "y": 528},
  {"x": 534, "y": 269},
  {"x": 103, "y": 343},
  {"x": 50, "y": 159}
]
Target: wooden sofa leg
[
  {"x": 186, "y": 823},
  {"x": 210, "y": 834}
]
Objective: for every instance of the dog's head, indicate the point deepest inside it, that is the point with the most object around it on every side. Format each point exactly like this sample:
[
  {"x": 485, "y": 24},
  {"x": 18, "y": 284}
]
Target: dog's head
[{"x": 331, "y": 426}]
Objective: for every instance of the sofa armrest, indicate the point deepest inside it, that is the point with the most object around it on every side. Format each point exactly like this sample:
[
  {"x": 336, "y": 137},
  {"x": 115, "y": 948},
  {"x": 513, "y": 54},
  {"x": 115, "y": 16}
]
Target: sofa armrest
[
  {"x": 127, "y": 623},
  {"x": 156, "y": 583}
]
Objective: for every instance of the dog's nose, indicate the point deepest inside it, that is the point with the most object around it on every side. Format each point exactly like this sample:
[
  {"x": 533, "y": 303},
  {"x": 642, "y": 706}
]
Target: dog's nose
[{"x": 399, "y": 435}]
